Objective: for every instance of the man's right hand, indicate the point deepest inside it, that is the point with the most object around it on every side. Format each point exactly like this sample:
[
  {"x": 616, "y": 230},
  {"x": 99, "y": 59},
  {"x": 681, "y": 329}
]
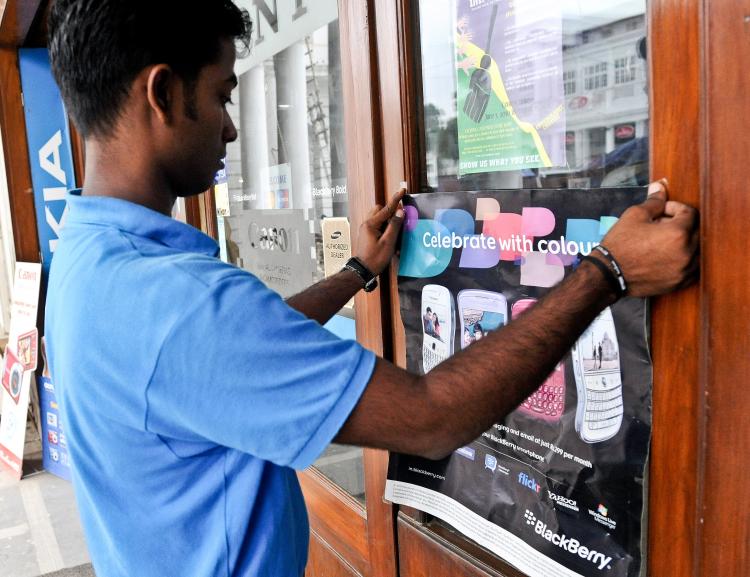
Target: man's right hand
[{"x": 656, "y": 244}]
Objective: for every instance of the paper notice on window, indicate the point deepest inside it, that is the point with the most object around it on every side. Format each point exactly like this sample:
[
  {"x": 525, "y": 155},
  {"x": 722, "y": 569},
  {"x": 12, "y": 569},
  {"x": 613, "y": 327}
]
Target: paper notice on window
[
  {"x": 337, "y": 246},
  {"x": 18, "y": 365},
  {"x": 509, "y": 79}
]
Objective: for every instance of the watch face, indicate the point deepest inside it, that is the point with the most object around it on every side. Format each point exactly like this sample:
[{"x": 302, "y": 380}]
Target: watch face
[{"x": 371, "y": 285}]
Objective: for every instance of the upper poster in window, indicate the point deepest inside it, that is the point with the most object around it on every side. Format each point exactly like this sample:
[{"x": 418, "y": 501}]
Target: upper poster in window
[{"x": 509, "y": 77}]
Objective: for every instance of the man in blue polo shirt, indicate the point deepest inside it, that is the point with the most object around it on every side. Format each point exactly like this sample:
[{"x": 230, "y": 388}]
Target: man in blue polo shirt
[{"x": 186, "y": 416}]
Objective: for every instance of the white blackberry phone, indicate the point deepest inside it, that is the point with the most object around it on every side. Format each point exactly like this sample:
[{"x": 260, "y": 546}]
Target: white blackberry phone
[
  {"x": 438, "y": 321},
  {"x": 596, "y": 366}
]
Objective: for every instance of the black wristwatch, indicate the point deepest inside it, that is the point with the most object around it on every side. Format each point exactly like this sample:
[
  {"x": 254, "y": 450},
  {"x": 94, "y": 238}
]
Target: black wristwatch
[{"x": 368, "y": 278}]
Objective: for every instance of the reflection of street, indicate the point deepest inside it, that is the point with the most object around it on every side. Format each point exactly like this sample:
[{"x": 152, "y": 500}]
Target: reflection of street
[{"x": 590, "y": 365}]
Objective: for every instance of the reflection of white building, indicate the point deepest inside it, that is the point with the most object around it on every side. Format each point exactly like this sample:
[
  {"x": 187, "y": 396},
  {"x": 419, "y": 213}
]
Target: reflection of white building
[
  {"x": 606, "y": 91},
  {"x": 609, "y": 349},
  {"x": 290, "y": 151}
]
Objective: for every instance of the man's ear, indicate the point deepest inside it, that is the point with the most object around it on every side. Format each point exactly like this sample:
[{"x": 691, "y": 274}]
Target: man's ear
[{"x": 160, "y": 91}]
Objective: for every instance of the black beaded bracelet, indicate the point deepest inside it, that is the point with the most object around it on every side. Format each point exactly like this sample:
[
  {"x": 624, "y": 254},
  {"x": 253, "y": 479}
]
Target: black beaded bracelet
[
  {"x": 615, "y": 267},
  {"x": 613, "y": 272}
]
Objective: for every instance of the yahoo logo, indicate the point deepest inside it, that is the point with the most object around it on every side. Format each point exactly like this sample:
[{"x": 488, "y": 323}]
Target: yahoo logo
[{"x": 429, "y": 244}]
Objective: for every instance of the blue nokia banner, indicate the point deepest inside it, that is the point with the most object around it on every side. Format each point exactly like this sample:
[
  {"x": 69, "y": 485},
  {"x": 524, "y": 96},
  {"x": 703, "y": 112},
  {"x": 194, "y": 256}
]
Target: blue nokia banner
[
  {"x": 51, "y": 159},
  {"x": 50, "y": 153},
  {"x": 55, "y": 458}
]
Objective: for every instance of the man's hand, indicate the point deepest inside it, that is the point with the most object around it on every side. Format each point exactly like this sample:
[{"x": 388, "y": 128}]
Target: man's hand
[
  {"x": 378, "y": 234},
  {"x": 377, "y": 241},
  {"x": 656, "y": 244}
]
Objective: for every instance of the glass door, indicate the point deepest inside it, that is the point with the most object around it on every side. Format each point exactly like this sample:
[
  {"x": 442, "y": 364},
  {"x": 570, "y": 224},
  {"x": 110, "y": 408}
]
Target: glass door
[
  {"x": 288, "y": 205},
  {"x": 581, "y": 124},
  {"x": 603, "y": 90},
  {"x": 283, "y": 194}
]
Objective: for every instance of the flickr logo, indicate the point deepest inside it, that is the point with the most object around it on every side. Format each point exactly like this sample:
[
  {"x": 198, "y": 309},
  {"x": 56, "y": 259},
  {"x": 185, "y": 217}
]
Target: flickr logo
[{"x": 529, "y": 482}]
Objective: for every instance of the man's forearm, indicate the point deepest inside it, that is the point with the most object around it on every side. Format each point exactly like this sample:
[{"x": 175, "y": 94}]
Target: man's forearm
[
  {"x": 324, "y": 299},
  {"x": 465, "y": 395},
  {"x": 494, "y": 375}
]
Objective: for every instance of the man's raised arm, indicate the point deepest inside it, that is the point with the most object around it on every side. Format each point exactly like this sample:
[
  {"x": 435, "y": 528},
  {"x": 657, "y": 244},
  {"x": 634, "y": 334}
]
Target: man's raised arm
[{"x": 655, "y": 244}]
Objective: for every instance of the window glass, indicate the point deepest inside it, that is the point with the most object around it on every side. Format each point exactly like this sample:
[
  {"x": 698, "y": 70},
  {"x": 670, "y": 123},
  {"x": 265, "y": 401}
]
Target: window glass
[
  {"x": 7, "y": 255},
  {"x": 179, "y": 211},
  {"x": 582, "y": 66},
  {"x": 282, "y": 200},
  {"x": 583, "y": 58}
]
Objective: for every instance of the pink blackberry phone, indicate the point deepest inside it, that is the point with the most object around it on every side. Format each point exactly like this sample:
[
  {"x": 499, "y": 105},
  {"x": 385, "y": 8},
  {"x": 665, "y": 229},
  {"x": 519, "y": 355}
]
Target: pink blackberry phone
[{"x": 548, "y": 401}]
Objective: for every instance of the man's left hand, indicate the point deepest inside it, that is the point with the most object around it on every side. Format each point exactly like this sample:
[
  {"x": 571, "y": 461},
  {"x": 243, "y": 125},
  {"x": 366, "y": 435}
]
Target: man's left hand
[{"x": 378, "y": 234}]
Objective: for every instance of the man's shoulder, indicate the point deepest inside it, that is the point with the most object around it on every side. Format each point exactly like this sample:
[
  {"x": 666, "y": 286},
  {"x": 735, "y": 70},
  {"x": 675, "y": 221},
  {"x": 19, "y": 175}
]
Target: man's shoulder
[{"x": 110, "y": 262}]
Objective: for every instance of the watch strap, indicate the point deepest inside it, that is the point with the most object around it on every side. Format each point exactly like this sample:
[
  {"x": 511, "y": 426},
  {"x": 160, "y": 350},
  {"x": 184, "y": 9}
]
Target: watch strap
[{"x": 369, "y": 280}]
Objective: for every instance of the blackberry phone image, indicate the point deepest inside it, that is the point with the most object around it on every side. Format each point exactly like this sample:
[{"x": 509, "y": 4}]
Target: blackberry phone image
[
  {"x": 596, "y": 366},
  {"x": 438, "y": 321},
  {"x": 548, "y": 401},
  {"x": 481, "y": 312}
]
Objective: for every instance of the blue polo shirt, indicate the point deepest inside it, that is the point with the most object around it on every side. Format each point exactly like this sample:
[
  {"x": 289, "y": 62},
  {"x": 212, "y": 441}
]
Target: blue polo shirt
[{"x": 190, "y": 394}]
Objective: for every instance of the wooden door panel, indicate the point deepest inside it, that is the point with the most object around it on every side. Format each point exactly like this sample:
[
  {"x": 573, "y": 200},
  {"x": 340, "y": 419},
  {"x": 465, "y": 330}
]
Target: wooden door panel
[
  {"x": 678, "y": 151},
  {"x": 676, "y": 154},
  {"x": 423, "y": 553},
  {"x": 362, "y": 537},
  {"x": 324, "y": 561},
  {"x": 336, "y": 518},
  {"x": 725, "y": 508}
]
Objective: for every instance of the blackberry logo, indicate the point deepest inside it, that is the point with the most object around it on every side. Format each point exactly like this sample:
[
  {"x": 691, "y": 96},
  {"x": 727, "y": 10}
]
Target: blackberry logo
[{"x": 572, "y": 546}]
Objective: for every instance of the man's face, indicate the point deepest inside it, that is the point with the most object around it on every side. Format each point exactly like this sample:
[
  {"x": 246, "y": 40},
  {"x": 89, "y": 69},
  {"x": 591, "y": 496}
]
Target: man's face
[{"x": 203, "y": 126}]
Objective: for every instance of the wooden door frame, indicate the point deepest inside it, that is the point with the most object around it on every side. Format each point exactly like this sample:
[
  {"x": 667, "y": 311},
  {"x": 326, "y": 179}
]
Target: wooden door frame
[
  {"x": 17, "y": 168},
  {"x": 16, "y": 20},
  {"x": 723, "y": 511},
  {"x": 698, "y": 524},
  {"x": 363, "y": 536},
  {"x": 676, "y": 153}
]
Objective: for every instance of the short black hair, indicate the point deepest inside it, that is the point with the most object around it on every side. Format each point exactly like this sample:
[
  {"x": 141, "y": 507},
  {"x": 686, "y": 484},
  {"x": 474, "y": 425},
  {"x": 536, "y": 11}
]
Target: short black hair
[{"x": 98, "y": 47}]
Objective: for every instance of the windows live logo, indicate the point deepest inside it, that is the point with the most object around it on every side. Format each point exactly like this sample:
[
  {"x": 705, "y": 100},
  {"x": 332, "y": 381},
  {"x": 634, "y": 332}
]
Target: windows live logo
[
  {"x": 572, "y": 546},
  {"x": 529, "y": 482},
  {"x": 601, "y": 516}
]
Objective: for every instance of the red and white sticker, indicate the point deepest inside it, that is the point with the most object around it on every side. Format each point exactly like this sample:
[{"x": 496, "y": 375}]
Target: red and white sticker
[
  {"x": 12, "y": 375},
  {"x": 27, "y": 350}
]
